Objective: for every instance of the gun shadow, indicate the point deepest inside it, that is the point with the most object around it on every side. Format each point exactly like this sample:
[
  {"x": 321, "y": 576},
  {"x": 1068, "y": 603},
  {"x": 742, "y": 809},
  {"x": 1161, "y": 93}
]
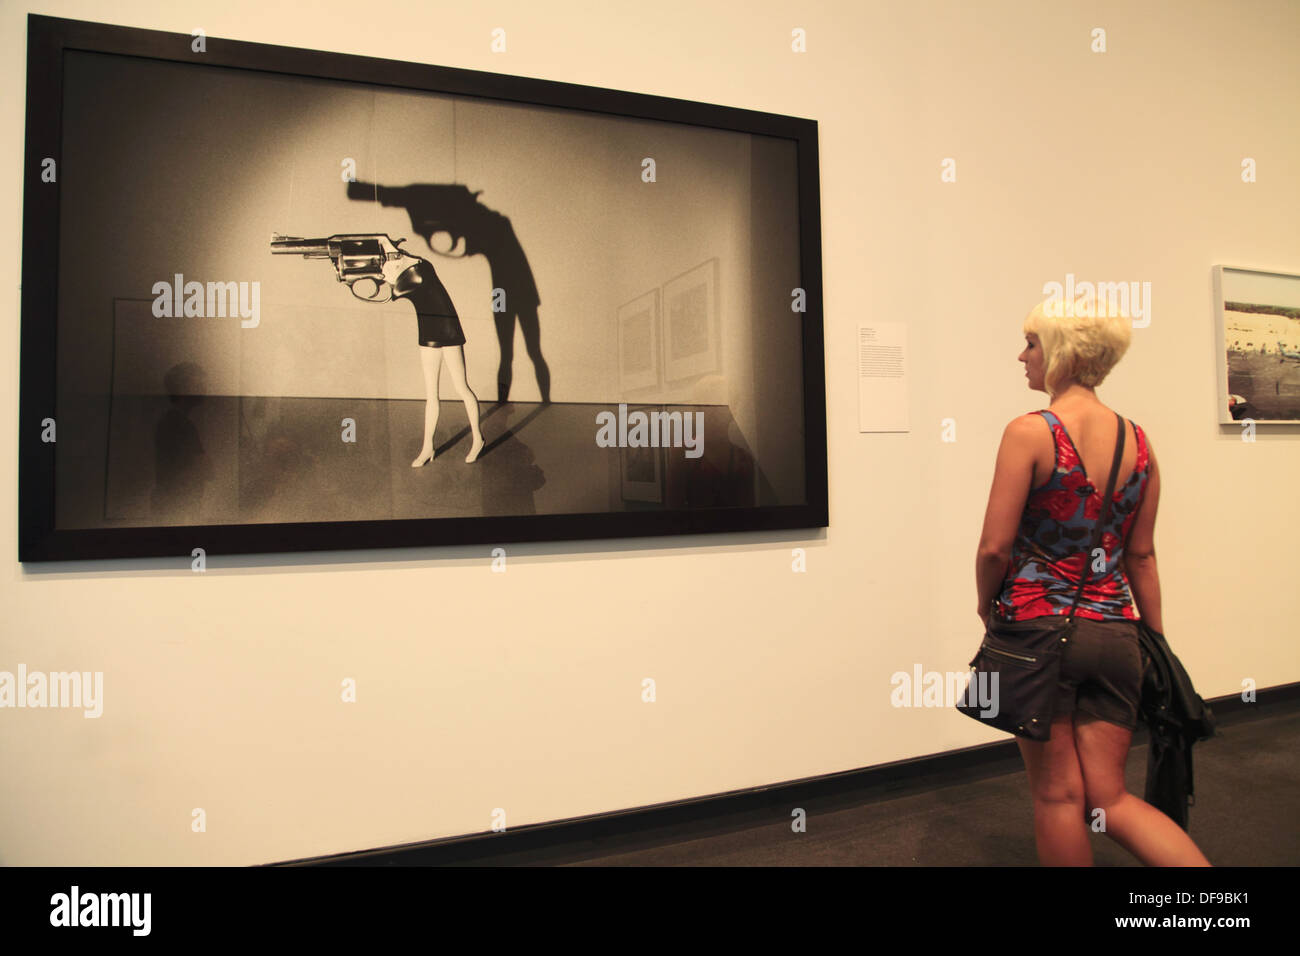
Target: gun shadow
[{"x": 453, "y": 209}]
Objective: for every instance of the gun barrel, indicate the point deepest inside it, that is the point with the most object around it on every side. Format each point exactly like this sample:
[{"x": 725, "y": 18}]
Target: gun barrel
[
  {"x": 381, "y": 194},
  {"x": 293, "y": 245}
]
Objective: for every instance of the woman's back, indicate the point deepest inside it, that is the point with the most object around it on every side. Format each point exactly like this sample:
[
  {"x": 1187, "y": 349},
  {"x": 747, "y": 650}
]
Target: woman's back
[
  {"x": 1051, "y": 550},
  {"x": 1091, "y": 428}
]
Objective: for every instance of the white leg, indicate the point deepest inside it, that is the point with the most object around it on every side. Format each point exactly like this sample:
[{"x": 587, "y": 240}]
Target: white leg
[
  {"x": 431, "y": 363},
  {"x": 456, "y": 368}
]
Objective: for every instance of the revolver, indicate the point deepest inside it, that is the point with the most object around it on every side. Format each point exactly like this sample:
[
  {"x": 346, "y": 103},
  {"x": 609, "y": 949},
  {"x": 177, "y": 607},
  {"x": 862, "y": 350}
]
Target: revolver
[{"x": 355, "y": 257}]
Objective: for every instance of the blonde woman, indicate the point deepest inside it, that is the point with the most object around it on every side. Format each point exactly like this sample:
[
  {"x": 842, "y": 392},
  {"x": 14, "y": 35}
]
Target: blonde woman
[{"x": 1042, "y": 507}]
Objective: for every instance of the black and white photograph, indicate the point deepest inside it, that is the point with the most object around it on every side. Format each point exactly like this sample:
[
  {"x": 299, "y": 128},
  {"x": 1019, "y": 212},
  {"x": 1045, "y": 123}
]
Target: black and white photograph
[{"x": 284, "y": 300}]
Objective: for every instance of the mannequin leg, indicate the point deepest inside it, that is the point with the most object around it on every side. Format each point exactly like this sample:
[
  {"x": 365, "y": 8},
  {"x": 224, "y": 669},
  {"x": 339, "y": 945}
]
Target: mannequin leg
[
  {"x": 456, "y": 368},
  {"x": 431, "y": 363}
]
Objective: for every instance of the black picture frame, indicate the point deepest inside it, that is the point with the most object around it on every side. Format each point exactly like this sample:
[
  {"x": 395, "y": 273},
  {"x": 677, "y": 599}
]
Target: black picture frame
[{"x": 51, "y": 40}]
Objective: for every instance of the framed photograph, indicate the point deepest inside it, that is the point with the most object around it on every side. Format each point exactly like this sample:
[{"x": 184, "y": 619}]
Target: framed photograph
[
  {"x": 638, "y": 342},
  {"x": 643, "y": 475},
  {"x": 691, "y": 322},
  {"x": 1258, "y": 321},
  {"x": 288, "y": 300}
]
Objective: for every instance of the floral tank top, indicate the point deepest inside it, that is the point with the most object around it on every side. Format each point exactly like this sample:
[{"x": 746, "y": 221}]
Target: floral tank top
[{"x": 1051, "y": 547}]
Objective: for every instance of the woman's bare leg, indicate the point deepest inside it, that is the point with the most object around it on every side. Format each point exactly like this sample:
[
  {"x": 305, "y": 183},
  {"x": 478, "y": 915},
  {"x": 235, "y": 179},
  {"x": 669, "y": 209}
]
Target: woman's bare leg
[
  {"x": 1131, "y": 822},
  {"x": 431, "y": 363},
  {"x": 1056, "y": 782},
  {"x": 456, "y": 369}
]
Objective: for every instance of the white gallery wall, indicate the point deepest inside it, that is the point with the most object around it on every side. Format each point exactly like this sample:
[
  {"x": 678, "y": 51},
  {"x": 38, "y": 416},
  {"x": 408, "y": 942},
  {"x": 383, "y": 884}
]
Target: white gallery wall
[{"x": 517, "y": 697}]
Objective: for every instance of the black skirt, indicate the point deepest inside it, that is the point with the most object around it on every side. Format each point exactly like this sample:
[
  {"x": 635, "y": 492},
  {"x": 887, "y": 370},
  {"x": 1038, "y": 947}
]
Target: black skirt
[{"x": 440, "y": 331}]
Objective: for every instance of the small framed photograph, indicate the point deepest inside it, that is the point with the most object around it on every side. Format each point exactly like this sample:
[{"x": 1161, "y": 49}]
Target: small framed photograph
[
  {"x": 691, "y": 323},
  {"x": 1258, "y": 321},
  {"x": 643, "y": 473},
  {"x": 638, "y": 342}
]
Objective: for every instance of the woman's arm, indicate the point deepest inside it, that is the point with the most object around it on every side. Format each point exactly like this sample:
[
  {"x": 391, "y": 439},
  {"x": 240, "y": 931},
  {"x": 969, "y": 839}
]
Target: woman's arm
[
  {"x": 990, "y": 571},
  {"x": 1139, "y": 561},
  {"x": 1012, "y": 476}
]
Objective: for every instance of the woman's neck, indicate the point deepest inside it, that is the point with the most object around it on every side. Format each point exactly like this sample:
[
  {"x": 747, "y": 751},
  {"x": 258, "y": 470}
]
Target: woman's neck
[{"x": 1075, "y": 394}]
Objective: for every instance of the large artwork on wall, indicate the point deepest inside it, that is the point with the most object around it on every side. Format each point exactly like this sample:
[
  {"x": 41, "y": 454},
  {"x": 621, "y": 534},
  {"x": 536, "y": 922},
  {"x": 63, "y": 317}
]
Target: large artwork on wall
[
  {"x": 283, "y": 300},
  {"x": 1258, "y": 322}
]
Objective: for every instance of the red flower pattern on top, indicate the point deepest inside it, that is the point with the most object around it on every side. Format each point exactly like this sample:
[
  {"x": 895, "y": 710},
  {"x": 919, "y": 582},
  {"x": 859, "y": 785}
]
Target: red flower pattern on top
[
  {"x": 1051, "y": 554},
  {"x": 1064, "y": 503},
  {"x": 1066, "y": 457}
]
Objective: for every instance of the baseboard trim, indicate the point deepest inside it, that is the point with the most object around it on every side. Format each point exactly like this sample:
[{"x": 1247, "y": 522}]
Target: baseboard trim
[{"x": 938, "y": 769}]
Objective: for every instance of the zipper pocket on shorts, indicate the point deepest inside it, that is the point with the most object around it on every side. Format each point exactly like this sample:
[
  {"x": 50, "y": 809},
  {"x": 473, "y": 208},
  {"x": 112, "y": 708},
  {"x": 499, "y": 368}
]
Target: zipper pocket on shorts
[{"x": 1001, "y": 653}]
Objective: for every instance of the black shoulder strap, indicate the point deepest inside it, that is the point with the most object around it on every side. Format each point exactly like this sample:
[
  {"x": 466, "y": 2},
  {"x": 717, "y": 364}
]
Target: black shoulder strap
[{"x": 1105, "y": 512}]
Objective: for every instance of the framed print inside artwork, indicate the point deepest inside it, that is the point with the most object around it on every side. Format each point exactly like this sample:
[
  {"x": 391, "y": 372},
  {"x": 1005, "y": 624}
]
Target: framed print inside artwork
[
  {"x": 638, "y": 342},
  {"x": 643, "y": 474},
  {"x": 690, "y": 323}
]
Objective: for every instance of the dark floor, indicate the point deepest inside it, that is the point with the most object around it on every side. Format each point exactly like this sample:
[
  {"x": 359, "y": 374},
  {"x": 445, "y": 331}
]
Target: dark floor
[
  {"x": 251, "y": 459},
  {"x": 1247, "y": 813}
]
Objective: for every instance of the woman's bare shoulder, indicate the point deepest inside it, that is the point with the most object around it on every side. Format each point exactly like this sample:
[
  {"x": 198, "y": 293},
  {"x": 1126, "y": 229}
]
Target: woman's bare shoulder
[
  {"x": 1141, "y": 433},
  {"x": 1027, "y": 425},
  {"x": 1142, "y": 437}
]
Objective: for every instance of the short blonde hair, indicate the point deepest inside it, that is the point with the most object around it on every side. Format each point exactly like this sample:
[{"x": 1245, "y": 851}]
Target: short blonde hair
[{"x": 1081, "y": 341}]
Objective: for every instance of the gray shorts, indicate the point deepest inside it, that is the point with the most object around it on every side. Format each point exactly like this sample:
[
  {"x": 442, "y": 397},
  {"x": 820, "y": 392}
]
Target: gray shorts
[{"x": 1101, "y": 672}]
